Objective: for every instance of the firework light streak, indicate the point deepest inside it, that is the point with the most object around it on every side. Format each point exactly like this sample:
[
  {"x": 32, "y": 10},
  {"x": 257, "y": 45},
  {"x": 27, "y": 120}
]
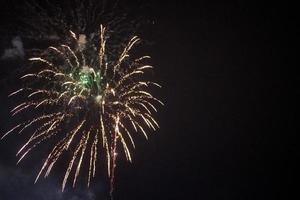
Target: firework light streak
[{"x": 87, "y": 103}]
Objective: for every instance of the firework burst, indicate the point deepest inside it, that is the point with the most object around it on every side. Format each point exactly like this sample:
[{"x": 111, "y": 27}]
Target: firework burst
[{"x": 87, "y": 102}]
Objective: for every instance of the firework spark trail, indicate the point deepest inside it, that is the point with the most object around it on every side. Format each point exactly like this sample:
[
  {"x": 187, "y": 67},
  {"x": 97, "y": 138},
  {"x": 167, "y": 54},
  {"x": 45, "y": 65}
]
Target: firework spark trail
[{"x": 92, "y": 101}]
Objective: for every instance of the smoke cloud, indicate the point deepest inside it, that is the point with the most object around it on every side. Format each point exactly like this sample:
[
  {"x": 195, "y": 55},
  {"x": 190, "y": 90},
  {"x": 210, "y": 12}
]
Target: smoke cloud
[
  {"x": 16, "y": 50},
  {"x": 15, "y": 184}
]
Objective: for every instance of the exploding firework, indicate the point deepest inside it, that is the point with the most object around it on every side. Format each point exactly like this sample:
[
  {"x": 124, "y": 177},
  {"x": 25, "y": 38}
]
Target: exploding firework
[
  {"x": 87, "y": 102},
  {"x": 41, "y": 24}
]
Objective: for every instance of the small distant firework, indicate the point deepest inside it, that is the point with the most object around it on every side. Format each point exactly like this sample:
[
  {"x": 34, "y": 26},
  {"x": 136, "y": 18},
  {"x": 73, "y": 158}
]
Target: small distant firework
[
  {"x": 87, "y": 102},
  {"x": 50, "y": 21}
]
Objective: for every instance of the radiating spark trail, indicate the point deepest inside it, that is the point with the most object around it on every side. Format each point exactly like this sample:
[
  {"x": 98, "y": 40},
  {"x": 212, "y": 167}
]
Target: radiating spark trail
[{"x": 88, "y": 103}]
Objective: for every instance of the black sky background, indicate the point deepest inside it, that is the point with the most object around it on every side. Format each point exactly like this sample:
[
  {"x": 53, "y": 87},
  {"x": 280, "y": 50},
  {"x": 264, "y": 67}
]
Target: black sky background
[{"x": 226, "y": 129}]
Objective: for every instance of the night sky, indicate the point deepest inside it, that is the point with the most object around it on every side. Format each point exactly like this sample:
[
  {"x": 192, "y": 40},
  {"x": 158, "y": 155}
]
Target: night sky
[{"x": 227, "y": 124}]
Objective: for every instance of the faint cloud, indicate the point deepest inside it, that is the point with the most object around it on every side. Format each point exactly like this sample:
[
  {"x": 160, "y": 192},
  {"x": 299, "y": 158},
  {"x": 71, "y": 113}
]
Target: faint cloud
[
  {"x": 17, "y": 185},
  {"x": 16, "y": 51}
]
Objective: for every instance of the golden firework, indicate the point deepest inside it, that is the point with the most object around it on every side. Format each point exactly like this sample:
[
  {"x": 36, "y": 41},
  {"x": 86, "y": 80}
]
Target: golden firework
[{"x": 87, "y": 102}]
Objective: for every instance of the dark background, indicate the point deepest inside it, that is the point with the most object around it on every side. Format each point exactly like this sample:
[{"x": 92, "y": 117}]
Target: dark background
[{"x": 227, "y": 126}]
